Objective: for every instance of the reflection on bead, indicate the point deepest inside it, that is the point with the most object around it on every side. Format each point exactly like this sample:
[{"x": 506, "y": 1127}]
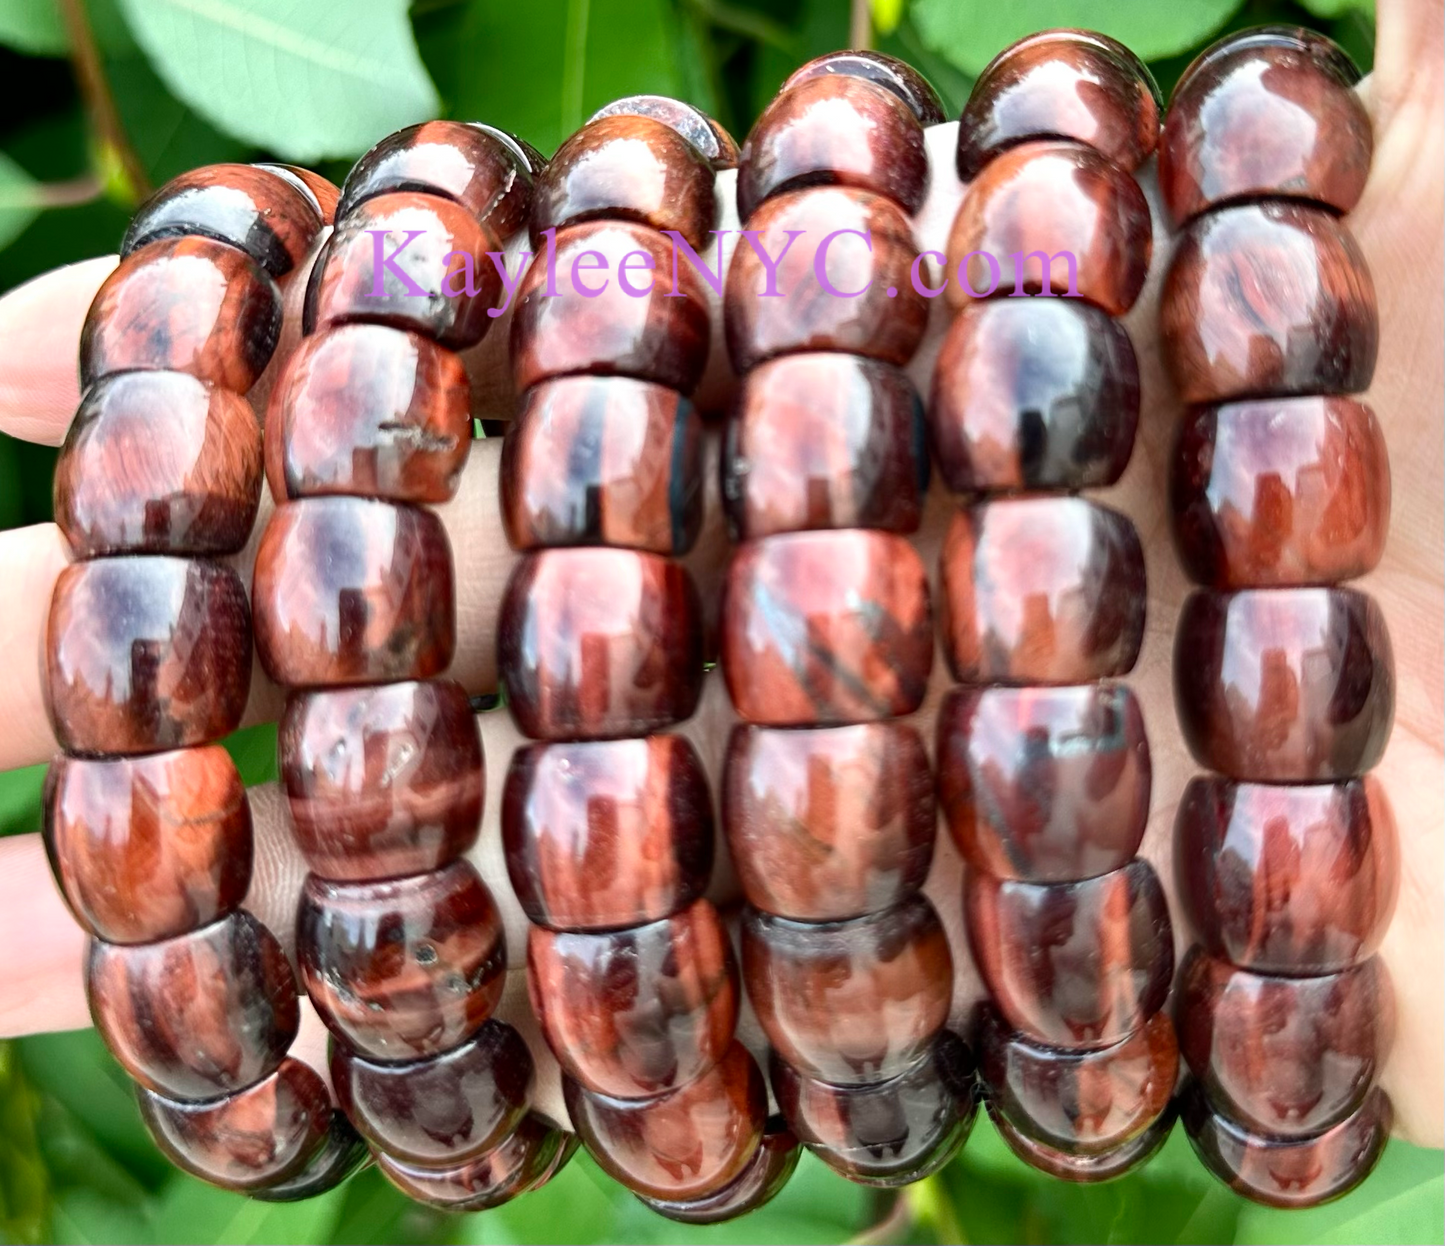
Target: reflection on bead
[
  {"x": 1089, "y": 1168},
  {"x": 525, "y": 1160},
  {"x": 342, "y": 1154},
  {"x": 761, "y": 1181},
  {"x": 714, "y": 143},
  {"x": 318, "y": 192},
  {"x": 885, "y": 71}
]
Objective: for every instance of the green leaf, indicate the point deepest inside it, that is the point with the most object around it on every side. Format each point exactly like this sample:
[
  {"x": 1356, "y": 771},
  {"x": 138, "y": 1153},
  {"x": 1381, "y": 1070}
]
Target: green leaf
[
  {"x": 1332, "y": 9},
  {"x": 18, "y": 203},
  {"x": 33, "y": 26},
  {"x": 24, "y": 1182},
  {"x": 886, "y": 15},
  {"x": 20, "y": 791},
  {"x": 971, "y": 34},
  {"x": 302, "y": 79}
]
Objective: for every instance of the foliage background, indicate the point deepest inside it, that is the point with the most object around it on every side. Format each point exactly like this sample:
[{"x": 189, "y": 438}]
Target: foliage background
[{"x": 195, "y": 81}]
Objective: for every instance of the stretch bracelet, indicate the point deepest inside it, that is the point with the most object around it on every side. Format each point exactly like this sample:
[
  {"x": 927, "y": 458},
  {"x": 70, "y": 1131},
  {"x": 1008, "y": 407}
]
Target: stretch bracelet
[
  {"x": 1284, "y": 684},
  {"x": 1043, "y": 762}
]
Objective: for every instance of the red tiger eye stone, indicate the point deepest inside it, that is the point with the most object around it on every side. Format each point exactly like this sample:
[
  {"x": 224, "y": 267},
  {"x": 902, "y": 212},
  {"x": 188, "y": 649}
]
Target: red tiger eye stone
[
  {"x": 145, "y": 654},
  {"x": 709, "y": 138},
  {"x": 341, "y": 1154},
  {"x": 1284, "y": 685},
  {"x": 404, "y": 968},
  {"x": 1268, "y": 298},
  {"x": 525, "y": 1160},
  {"x": 1046, "y": 590},
  {"x": 761, "y": 1181},
  {"x": 183, "y": 305},
  {"x": 146, "y": 848},
  {"x": 1085, "y": 1168},
  {"x": 633, "y": 1013},
  {"x": 823, "y": 628},
  {"x": 1270, "y": 112},
  {"x": 201, "y": 1015},
  {"x": 1288, "y": 880},
  {"x": 1051, "y": 216},
  {"x": 316, "y": 190},
  {"x": 829, "y": 823},
  {"x": 1044, "y": 784},
  {"x": 850, "y": 1002},
  {"x": 882, "y": 70}
]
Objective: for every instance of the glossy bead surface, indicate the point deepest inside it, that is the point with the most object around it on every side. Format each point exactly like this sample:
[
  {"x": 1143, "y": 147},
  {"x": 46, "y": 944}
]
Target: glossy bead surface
[
  {"x": 634, "y": 1013},
  {"x": 253, "y": 1138},
  {"x": 144, "y": 654},
  {"x": 714, "y": 143},
  {"x": 599, "y": 643},
  {"x": 1087, "y": 1168},
  {"x": 340, "y": 1155},
  {"x": 1041, "y": 591},
  {"x": 850, "y": 1002},
  {"x": 1038, "y": 201},
  {"x": 607, "y": 834},
  {"x": 1290, "y": 880},
  {"x": 1063, "y": 84},
  {"x": 1079, "y": 1102},
  {"x": 603, "y": 461},
  {"x": 824, "y": 441},
  {"x": 1281, "y": 491},
  {"x": 1284, "y": 685},
  {"x": 158, "y": 463},
  {"x": 880, "y": 69},
  {"x": 1077, "y": 964},
  {"x": 200, "y": 1015},
  {"x": 828, "y": 823},
  {"x": 1044, "y": 784},
  {"x": 406, "y": 968},
  {"x": 1268, "y": 298},
  {"x": 183, "y": 305},
  {"x": 1033, "y": 394},
  {"x": 1269, "y": 112},
  {"x": 314, "y": 188},
  {"x": 825, "y": 628},
  {"x": 644, "y": 320},
  {"x": 149, "y": 847},
  {"x": 383, "y": 780},
  {"x": 683, "y": 1145},
  {"x": 760, "y": 1182},
  {"x": 523, "y": 1161},
  {"x": 440, "y": 1111},
  {"x": 850, "y": 311},
  {"x": 353, "y": 591}
]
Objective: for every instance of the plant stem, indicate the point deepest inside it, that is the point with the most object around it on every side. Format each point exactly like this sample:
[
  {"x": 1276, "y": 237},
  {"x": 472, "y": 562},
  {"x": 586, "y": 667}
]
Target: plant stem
[{"x": 860, "y": 26}]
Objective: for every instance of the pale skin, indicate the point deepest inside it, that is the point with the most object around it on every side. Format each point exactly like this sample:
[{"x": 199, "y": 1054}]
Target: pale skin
[{"x": 1399, "y": 226}]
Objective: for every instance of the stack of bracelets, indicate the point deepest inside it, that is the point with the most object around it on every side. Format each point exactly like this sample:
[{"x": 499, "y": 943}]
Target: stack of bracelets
[
  {"x": 1280, "y": 484},
  {"x": 1287, "y": 859},
  {"x": 1043, "y": 764}
]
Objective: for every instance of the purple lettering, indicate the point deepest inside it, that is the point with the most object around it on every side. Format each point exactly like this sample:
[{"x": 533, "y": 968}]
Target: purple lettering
[
  {"x": 993, "y": 269},
  {"x": 770, "y": 265},
  {"x": 382, "y": 263},
  {"x": 928, "y": 292},
  {"x": 647, "y": 263},
  {"x": 499, "y": 262},
  {"x": 1046, "y": 273},
  {"x": 714, "y": 279},
  {"x": 578, "y": 268}
]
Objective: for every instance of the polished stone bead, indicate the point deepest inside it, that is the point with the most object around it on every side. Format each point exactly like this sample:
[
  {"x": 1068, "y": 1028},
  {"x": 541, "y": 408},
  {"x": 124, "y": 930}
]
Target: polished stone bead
[
  {"x": 1284, "y": 685},
  {"x": 253, "y": 1138},
  {"x": 1280, "y": 491},
  {"x": 158, "y": 463},
  {"x": 828, "y": 288},
  {"x": 441, "y": 1111},
  {"x": 372, "y": 411},
  {"x": 1086, "y": 1168},
  {"x": 1289, "y": 880},
  {"x": 183, "y": 305},
  {"x": 714, "y": 143},
  {"x": 1268, "y": 299},
  {"x": 1078, "y": 964},
  {"x": 824, "y": 441},
  {"x": 606, "y": 834},
  {"x": 683, "y": 1145},
  {"x": 1041, "y": 591},
  {"x": 599, "y": 644},
  {"x": 882, "y": 70},
  {"x": 645, "y": 317},
  {"x": 341, "y": 1155},
  {"x": 1269, "y": 112},
  {"x": 487, "y": 171},
  {"x": 760, "y": 1182},
  {"x": 1289, "y": 1172},
  {"x": 146, "y": 848},
  {"x": 634, "y": 1013},
  {"x": 829, "y": 823},
  {"x": 1031, "y": 395},
  {"x": 525, "y": 1160},
  {"x": 629, "y": 168},
  {"x": 145, "y": 654},
  {"x": 603, "y": 461},
  {"x": 246, "y": 205},
  {"x": 1051, "y": 216},
  {"x": 1079, "y": 1102},
  {"x": 201, "y": 1015},
  {"x": 850, "y": 1002},
  {"x": 353, "y": 591},
  {"x": 1044, "y": 784},
  {"x": 1062, "y": 84},
  {"x": 406, "y": 968},
  {"x": 1284, "y": 1056},
  {"x": 826, "y": 628},
  {"x": 392, "y": 260},
  {"x": 383, "y": 780},
  {"x": 317, "y": 191},
  {"x": 834, "y": 129},
  {"x": 888, "y": 1133}
]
